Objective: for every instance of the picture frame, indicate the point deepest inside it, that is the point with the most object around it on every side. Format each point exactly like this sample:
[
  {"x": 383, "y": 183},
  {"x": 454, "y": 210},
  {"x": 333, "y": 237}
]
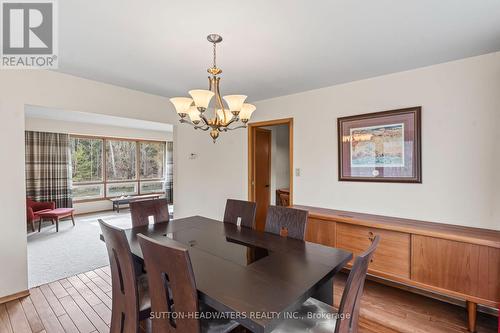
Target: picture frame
[{"x": 381, "y": 146}]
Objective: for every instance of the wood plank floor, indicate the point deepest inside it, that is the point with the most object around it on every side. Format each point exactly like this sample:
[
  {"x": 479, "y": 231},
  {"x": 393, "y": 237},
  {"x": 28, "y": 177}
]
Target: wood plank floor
[
  {"x": 82, "y": 303},
  {"x": 388, "y": 309}
]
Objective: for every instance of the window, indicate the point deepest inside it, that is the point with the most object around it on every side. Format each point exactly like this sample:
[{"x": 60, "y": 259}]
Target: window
[
  {"x": 153, "y": 187},
  {"x": 120, "y": 160},
  {"x": 152, "y": 160},
  {"x": 109, "y": 167},
  {"x": 86, "y": 192},
  {"x": 119, "y": 189},
  {"x": 86, "y": 159}
]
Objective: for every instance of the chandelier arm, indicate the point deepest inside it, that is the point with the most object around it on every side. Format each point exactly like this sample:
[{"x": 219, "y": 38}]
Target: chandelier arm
[
  {"x": 203, "y": 127},
  {"x": 232, "y": 129},
  {"x": 235, "y": 118},
  {"x": 205, "y": 120},
  {"x": 184, "y": 121}
]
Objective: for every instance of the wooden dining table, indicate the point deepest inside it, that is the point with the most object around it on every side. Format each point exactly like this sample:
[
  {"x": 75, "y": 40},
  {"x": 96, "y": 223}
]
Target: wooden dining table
[{"x": 255, "y": 277}]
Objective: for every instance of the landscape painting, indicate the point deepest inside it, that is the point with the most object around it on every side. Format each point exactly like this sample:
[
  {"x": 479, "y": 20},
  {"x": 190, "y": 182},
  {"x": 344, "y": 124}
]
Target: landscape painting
[
  {"x": 377, "y": 146},
  {"x": 380, "y": 146}
]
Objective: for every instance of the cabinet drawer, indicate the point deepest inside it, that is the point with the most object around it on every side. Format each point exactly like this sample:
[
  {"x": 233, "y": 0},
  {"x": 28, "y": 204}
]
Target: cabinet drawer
[
  {"x": 392, "y": 256},
  {"x": 320, "y": 231}
]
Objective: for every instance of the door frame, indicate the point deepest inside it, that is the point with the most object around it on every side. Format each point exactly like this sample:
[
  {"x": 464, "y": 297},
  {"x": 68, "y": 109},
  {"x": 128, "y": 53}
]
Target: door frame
[{"x": 251, "y": 156}]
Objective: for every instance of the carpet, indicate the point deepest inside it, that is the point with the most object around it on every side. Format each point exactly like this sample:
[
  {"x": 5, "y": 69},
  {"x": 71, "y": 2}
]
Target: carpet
[{"x": 73, "y": 250}]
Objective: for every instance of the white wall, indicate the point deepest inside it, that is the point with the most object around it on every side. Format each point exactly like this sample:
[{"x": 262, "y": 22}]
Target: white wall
[
  {"x": 54, "y": 90},
  {"x": 461, "y": 110},
  {"x": 280, "y": 159},
  {"x": 81, "y": 128}
]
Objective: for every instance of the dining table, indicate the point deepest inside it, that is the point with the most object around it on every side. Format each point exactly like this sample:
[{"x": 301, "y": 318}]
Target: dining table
[{"x": 256, "y": 278}]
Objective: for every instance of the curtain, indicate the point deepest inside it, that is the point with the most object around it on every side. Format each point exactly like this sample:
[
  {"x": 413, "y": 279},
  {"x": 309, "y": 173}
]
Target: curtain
[
  {"x": 169, "y": 179},
  {"x": 48, "y": 167}
]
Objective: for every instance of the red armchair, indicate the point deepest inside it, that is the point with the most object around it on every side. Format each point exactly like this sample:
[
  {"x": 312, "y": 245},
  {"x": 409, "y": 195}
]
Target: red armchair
[{"x": 33, "y": 208}]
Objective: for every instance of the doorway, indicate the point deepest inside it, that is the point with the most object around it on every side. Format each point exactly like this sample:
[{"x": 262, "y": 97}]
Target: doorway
[{"x": 270, "y": 165}]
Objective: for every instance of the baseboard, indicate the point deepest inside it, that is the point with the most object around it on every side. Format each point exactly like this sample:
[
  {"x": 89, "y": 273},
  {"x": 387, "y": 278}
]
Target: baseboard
[{"x": 12, "y": 297}]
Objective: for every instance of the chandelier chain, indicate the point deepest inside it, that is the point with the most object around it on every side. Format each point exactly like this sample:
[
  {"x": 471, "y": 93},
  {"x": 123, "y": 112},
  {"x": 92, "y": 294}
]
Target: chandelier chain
[{"x": 215, "y": 56}]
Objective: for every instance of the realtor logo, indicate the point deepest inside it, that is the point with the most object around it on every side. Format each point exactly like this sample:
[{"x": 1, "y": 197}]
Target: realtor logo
[{"x": 28, "y": 34}]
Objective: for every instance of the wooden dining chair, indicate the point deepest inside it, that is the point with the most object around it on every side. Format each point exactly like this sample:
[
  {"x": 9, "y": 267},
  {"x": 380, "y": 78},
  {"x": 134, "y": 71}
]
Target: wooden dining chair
[
  {"x": 282, "y": 198},
  {"x": 130, "y": 296},
  {"x": 317, "y": 317},
  {"x": 141, "y": 211},
  {"x": 286, "y": 222},
  {"x": 175, "y": 287},
  {"x": 239, "y": 209}
]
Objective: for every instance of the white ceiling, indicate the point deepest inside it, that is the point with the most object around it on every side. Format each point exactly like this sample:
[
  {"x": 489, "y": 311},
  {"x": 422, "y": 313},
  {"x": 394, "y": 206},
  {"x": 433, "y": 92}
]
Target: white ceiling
[
  {"x": 32, "y": 111},
  {"x": 271, "y": 47}
]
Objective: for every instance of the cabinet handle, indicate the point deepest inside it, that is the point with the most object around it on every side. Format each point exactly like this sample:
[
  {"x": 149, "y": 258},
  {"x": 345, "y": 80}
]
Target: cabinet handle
[{"x": 371, "y": 236}]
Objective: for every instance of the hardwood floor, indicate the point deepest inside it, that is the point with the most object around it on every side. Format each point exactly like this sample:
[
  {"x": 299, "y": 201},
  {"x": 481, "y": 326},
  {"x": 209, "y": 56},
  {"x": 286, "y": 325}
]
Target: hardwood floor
[
  {"x": 82, "y": 303},
  {"x": 388, "y": 309}
]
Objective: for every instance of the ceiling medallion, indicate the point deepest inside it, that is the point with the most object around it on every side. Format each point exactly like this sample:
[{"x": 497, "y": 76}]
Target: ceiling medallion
[{"x": 195, "y": 107}]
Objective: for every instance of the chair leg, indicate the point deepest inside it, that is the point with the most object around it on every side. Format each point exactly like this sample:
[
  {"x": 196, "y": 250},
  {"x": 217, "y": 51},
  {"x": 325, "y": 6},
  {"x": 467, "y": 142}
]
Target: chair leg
[
  {"x": 57, "y": 224},
  {"x": 40, "y": 224},
  {"x": 33, "y": 225},
  {"x": 73, "y": 219}
]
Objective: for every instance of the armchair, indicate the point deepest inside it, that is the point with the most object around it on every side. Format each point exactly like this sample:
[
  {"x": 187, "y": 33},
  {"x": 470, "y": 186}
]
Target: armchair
[{"x": 33, "y": 208}]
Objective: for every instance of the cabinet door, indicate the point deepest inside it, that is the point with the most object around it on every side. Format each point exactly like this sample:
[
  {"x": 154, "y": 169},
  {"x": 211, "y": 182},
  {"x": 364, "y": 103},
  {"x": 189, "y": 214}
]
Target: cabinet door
[
  {"x": 320, "y": 231},
  {"x": 465, "y": 268},
  {"x": 392, "y": 256}
]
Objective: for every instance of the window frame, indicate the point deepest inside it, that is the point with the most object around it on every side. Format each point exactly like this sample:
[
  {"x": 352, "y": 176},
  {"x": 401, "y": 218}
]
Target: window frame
[{"x": 105, "y": 180}]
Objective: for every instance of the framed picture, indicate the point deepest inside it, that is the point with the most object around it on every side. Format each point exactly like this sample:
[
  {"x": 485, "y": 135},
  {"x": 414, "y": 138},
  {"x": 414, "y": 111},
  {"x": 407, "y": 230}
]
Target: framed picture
[{"x": 381, "y": 147}]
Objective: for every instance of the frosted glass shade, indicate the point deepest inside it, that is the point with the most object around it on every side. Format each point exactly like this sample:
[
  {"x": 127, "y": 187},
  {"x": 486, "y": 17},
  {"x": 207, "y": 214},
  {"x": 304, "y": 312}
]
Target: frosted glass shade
[
  {"x": 181, "y": 104},
  {"x": 201, "y": 97},
  {"x": 235, "y": 102},
  {"x": 194, "y": 115},
  {"x": 246, "y": 111},
  {"x": 220, "y": 115}
]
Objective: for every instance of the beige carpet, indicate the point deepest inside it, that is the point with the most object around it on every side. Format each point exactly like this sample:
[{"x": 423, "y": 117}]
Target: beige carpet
[{"x": 54, "y": 255}]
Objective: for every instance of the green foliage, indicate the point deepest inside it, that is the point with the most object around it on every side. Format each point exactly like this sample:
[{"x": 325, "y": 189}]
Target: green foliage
[{"x": 86, "y": 159}]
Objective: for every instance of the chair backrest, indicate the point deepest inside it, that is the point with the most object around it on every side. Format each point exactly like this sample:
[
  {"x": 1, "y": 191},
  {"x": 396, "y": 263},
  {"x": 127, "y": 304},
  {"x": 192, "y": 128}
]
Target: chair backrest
[
  {"x": 245, "y": 210},
  {"x": 349, "y": 304},
  {"x": 141, "y": 211},
  {"x": 287, "y": 222},
  {"x": 171, "y": 276},
  {"x": 125, "y": 300}
]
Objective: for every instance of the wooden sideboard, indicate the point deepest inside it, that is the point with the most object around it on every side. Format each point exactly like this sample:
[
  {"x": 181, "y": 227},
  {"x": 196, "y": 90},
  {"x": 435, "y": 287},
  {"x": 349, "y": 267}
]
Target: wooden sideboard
[{"x": 459, "y": 262}]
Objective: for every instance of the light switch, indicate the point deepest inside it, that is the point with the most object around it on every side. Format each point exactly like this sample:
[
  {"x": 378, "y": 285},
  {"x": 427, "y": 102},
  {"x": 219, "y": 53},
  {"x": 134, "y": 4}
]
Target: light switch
[{"x": 297, "y": 172}]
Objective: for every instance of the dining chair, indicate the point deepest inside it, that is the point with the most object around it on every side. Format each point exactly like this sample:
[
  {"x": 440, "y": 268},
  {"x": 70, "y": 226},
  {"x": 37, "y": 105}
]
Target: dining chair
[
  {"x": 239, "y": 209},
  {"x": 317, "y": 317},
  {"x": 130, "y": 296},
  {"x": 175, "y": 287},
  {"x": 287, "y": 222},
  {"x": 141, "y": 210}
]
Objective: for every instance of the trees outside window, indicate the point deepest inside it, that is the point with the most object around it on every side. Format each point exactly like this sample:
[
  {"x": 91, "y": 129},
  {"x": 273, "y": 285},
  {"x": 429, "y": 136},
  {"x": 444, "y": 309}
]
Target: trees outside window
[
  {"x": 121, "y": 160},
  {"x": 109, "y": 167}
]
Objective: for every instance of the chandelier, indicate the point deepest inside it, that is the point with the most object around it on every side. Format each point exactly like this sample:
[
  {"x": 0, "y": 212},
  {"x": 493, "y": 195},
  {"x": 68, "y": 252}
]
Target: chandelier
[{"x": 195, "y": 108}]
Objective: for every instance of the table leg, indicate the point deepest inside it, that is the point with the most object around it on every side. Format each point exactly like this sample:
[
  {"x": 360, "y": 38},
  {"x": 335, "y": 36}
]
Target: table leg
[
  {"x": 117, "y": 207},
  {"x": 57, "y": 224},
  {"x": 325, "y": 292},
  {"x": 73, "y": 219},
  {"x": 40, "y": 224}
]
